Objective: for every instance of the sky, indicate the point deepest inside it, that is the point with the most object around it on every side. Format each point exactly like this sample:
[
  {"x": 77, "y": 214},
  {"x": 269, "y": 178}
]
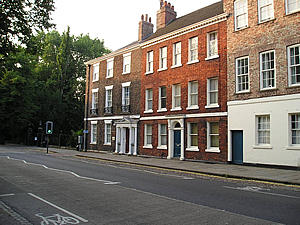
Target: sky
[{"x": 114, "y": 21}]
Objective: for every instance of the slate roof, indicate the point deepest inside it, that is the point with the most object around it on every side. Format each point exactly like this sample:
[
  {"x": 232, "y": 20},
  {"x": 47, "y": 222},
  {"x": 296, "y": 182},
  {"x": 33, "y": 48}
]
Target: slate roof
[{"x": 191, "y": 18}]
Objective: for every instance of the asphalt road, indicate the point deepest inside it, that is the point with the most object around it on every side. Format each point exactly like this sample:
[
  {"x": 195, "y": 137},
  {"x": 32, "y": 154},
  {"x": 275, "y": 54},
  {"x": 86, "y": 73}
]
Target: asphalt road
[{"x": 36, "y": 188}]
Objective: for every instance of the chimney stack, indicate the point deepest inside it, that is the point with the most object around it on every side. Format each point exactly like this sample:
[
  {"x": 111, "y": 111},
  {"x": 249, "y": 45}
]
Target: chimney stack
[
  {"x": 165, "y": 14},
  {"x": 145, "y": 27}
]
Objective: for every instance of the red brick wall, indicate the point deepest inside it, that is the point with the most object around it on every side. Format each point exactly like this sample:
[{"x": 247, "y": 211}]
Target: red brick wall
[{"x": 200, "y": 71}]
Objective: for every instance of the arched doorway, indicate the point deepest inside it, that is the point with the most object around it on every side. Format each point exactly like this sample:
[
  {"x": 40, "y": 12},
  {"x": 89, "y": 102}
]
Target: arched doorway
[{"x": 176, "y": 138}]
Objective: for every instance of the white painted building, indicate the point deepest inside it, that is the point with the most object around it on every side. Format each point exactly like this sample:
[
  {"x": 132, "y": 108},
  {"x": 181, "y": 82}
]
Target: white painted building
[{"x": 265, "y": 130}]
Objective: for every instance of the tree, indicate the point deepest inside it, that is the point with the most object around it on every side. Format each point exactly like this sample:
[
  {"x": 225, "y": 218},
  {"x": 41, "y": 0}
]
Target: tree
[{"x": 20, "y": 19}]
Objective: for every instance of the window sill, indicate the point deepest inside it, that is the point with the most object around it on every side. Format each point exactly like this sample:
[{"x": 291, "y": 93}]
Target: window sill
[
  {"x": 289, "y": 13},
  {"x": 162, "y": 69},
  {"x": 213, "y": 150},
  {"x": 148, "y": 111},
  {"x": 149, "y": 72},
  {"x": 192, "y": 149},
  {"x": 109, "y": 77},
  {"x": 262, "y": 146},
  {"x": 163, "y": 147},
  {"x": 242, "y": 92},
  {"x": 269, "y": 89},
  {"x": 126, "y": 73},
  {"x": 241, "y": 28},
  {"x": 176, "y": 109},
  {"x": 212, "y": 106},
  {"x": 265, "y": 21},
  {"x": 107, "y": 144},
  {"x": 212, "y": 57},
  {"x": 192, "y": 62},
  {"x": 175, "y": 66},
  {"x": 162, "y": 110},
  {"x": 291, "y": 147},
  {"x": 293, "y": 85},
  {"x": 192, "y": 107},
  {"x": 93, "y": 143},
  {"x": 147, "y": 146},
  {"x": 95, "y": 80}
]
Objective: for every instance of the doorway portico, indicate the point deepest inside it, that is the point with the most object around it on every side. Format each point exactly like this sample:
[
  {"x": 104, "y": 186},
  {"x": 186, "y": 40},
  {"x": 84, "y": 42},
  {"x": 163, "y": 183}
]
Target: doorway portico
[
  {"x": 176, "y": 138},
  {"x": 126, "y": 136}
]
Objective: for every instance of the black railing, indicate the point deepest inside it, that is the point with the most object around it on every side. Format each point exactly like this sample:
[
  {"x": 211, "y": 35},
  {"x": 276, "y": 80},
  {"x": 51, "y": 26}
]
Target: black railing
[
  {"x": 93, "y": 112},
  {"x": 108, "y": 110},
  {"x": 125, "y": 108}
]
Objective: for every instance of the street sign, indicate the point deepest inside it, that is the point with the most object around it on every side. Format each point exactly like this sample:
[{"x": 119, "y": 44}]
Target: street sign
[{"x": 85, "y": 131}]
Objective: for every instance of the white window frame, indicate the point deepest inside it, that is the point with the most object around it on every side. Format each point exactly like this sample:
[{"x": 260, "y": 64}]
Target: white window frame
[
  {"x": 126, "y": 62},
  {"x": 242, "y": 75},
  {"x": 124, "y": 86},
  {"x": 190, "y": 95},
  {"x": 191, "y": 147},
  {"x": 269, "y": 70},
  {"x": 209, "y": 104},
  {"x": 193, "y": 49},
  {"x": 291, "y": 66},
  {"x": 239, "y": 14},
  {"x": 163, "y": 58},
  {"x": 297, "y": 146},
  {"x": 95, "y": 100},
  {"x": 146, "y": 144},
  {"x": 93, "y": 133},
  {"x": 107, "y": 124},
  {"x": 96, "y": 72},
  {"x": 147, "y": 99},
  {"x": 175, "y": 108},
  {"x": 209, "y": 147},
  {"x": 110, "y": 67},
  {"x": 149, "y": 62},
  {"x": 176, "y": 55},
  {"x": 210, "y": 44},
  {"x": 288, "y": 11},
  {"x": 263, "y": 4},
  {"x": 160, "y": 109},
  {"x": 107, "y": 89},
  {"x": 267, "y": 130},
  {"x": 160, "y": 146}
]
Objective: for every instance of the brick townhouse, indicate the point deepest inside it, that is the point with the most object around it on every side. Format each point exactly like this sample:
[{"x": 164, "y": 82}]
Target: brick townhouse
[
  {"x": 263, "y": 81},
  {"x": 113, "y": 97},
  {"x": 183, "y": 85}
]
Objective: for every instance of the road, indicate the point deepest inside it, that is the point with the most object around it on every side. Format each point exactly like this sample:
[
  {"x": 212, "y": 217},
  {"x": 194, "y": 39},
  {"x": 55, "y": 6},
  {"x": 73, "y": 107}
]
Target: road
[{"x": 40, "y": 188}]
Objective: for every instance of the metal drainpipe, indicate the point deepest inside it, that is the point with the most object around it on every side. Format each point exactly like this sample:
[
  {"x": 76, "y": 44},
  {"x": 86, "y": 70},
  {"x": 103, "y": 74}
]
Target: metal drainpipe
[{"x": 86, "y": 111}]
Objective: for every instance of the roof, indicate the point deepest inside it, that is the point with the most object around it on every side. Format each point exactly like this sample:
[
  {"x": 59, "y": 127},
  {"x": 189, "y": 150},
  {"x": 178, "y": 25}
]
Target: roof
[
  {"x": 114, "y": 53},
  {"x": 191, "y": 18}
]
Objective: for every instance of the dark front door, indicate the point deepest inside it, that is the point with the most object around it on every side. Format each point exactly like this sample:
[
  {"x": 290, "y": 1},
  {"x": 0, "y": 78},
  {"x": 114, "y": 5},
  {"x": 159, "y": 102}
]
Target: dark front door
[
  {"x": 127, "y": 140},
  {"x": 237, "y": 146},
  {"x": 177, "y": 143}
]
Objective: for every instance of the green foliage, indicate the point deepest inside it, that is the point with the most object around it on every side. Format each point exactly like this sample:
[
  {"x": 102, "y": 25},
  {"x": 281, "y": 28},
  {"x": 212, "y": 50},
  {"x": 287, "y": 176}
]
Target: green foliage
[{"x": 45, "y": 81}]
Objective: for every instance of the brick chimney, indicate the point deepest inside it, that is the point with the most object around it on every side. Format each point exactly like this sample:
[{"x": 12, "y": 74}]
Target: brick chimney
[
  {"x": 165, "y": 14},
  {"x": 145, "y": 27}
]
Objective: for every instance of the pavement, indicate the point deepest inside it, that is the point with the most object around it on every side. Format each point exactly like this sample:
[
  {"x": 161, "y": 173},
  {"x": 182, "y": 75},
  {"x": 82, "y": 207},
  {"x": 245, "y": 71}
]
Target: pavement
[{"x": 247, "y": 172}]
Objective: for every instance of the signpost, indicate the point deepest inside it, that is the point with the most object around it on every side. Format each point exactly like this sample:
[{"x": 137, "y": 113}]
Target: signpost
[{"x": 49, "y": 131}]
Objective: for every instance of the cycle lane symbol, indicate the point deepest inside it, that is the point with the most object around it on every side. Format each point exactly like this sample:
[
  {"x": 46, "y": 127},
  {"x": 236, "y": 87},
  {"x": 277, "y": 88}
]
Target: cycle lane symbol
[{"x": 57, "y": 219}]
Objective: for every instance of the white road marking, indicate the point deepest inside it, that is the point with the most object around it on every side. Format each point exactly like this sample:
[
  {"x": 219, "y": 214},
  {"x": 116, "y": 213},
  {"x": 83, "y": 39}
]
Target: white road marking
[
  {"x": 259, "y": 190},
  {"x": 59, "y": 208},
  {"x": 7, "y": 195},
  {"x": 66, "y": 171}
]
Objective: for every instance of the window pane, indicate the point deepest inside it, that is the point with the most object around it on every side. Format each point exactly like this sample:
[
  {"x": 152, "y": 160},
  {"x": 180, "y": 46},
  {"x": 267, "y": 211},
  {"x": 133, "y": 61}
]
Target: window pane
[
  {"x": 214, "y": 141},
  {"x": 214, "y": 128}
]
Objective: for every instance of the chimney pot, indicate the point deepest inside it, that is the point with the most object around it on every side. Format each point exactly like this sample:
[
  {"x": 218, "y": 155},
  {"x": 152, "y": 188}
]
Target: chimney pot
[
  {"x": 146, "y": 19},
  {"x": 169, "y": 5},
  {"x": 142, "y": 17},
  {"x": 166, "y": 3},
  {"x": 149, "y": 19},
  {"x": 165, "y": 14},
  {"x": 161, "y": 3},
  {"x": 172, "y": 7}
]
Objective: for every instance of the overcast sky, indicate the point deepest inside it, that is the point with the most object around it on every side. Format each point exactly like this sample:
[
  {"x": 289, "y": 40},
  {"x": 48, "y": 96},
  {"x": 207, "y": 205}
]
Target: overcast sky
[{"x": 114, "y": 21}]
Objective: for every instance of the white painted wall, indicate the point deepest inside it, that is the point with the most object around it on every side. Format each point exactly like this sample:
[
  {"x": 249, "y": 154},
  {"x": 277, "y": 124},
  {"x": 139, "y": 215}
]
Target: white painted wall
[{"x": 242, "y": 116}]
